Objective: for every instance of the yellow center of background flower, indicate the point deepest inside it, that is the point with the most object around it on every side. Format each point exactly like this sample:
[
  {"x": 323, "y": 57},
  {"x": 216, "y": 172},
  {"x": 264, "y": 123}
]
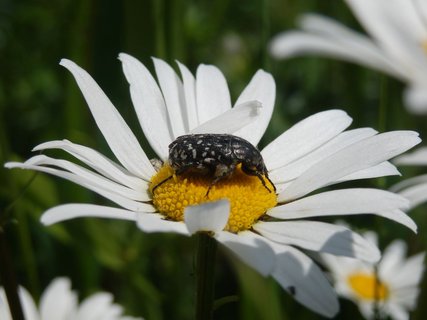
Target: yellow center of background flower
[
  {"x": 249, "y": 199},
  {"x": 367, "y": 287}
]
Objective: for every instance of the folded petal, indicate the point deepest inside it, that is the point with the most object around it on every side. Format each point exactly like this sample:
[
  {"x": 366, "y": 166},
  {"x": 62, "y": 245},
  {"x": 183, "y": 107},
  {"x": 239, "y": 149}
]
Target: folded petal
[
  {"x": 79, "y": 210},
  {"x": 251, "y": 249},
  {"x": 319, "y": 236},
  {"x": 118, "y": 135},
  {"x": 97, "y": 161},
  {"x": 213, "y": 97},
  {"x": 358, "y": 156},
  {"x": 87, "y": 183},
  {"x": 232, "y": 120},
  {"x": 304, "y": 137},
  {"x": 347, "y": 202},
  {"x": 261, "y": 88},
  {"x": 304, "y": 280},
  {"x": 149, "y": 105},
  {"x": 93, "y": 178},
  {"x": 153, "y": 222},
  {"x": 208, "y": 217}
]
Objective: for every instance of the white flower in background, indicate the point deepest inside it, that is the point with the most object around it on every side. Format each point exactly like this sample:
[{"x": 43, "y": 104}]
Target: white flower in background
[
  {"x": 397, "y": 44},
  {"x": 394, "y": 288},
  {"x": 59, "y": 302},
  {"x": 413, "y": 189},
  {"x": 261, "y": 227}
]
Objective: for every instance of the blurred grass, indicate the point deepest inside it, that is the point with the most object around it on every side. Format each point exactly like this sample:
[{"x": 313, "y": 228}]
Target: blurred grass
[{"x": 152, "y": 275}]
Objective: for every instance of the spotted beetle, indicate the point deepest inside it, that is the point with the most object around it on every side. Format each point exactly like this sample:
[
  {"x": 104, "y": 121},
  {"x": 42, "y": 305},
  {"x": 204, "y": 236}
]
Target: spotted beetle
[{"x": 217, "y": 155}]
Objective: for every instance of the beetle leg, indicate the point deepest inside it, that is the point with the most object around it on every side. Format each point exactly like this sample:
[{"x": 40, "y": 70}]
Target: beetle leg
[
  {"x": 260, "y": 177},
  {"x": 160, "y": 183},
  {"x": 177, "y": 172},
  {"x": 221, "y": 171}
]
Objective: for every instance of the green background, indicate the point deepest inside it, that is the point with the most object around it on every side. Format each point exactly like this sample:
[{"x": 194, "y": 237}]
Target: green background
[{"x": 153, "y": 275}]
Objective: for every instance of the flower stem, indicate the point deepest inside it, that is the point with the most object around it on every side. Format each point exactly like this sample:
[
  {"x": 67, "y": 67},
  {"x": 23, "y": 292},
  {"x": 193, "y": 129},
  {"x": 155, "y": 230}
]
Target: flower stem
[
  {"x": 7, "y": 275},
  {"x": 205, "y": 269}
]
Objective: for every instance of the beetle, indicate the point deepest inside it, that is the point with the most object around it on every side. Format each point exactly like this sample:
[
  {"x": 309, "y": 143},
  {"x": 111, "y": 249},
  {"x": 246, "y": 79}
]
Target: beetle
[{"x": 217, "y": 155}]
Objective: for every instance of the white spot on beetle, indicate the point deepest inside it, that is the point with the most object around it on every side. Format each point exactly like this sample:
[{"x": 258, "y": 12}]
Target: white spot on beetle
[
  {"x": 194, "y": 153},
  {"x": 204, "y": 154}
]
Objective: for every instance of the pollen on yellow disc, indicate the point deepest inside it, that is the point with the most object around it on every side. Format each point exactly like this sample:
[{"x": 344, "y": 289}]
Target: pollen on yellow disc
[
  {"x": 249, "y": 199},
  {"x": 367, "y": 287}
]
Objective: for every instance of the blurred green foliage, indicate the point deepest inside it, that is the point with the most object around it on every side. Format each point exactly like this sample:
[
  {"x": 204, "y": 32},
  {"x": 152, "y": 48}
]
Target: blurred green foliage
[{"x": 152, "y": 275}]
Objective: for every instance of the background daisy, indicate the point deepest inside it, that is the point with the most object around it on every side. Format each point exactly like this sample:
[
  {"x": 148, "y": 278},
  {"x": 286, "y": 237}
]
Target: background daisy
[
  {"x": 59, "y": 302},
  {"x": 396, "y": 46},
  {"x": 393, "y": 285}
]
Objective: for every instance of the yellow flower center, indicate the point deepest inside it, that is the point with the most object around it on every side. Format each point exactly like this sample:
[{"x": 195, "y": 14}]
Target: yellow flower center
[
  {"x": 249, "y": 199},
  {"x": 368, "y": 287},
  {"x": 424, "y": 46}
]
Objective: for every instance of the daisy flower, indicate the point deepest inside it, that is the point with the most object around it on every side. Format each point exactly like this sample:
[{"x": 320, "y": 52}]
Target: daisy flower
[
  {"x": 394, "y": 288},
  {"x": 59, "y": 302},
  {"x": 413, "y": 189},
  {"x": 263, "y": 228},
  {"x": 396, "y": 45}
]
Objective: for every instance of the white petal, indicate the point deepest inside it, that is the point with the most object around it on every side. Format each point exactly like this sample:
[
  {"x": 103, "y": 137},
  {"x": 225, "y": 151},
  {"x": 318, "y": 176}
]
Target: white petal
[
  {"x": 296, "y": 43},
  {"x": 392, "y": 259},
  {"x": 29, "y": 307},
  {"x": 411, "y": 271},
  {"x": 58, "y": 301},
  {"x": 296, "y": 168},
  {"x": 382, "y": 169},
  {"x": 251, "y": 249},
  {"x": 409, "y": 183},
  {"x": 157, "y": 223},
  {"x": 99, "y": 306},
  {"x": 358, "y": 156},
  {"x": 93, "y": 178},
  {"x": 149, "y": 105},
  {"x": 304, "y": 137},
  {"x": 320, "y": 236},
  {"x": 391, "y": 24},
  {"x": 397, "y": 312},
  {"x": 173, "y": 92},
  {"x": 415, "y": 97},
  {"x": 416, "y": 194},
  {"x": 210, "y": 216},
  {"x": 213, "y": 97},
  {"x": 347, "y": 202},
  {"x": 415, "y": 158},
  {"x": 79, "y": 210},
  {"x": 87, "y": 183},
  {"x": 189, "y": 83},
  {"x": 263, "y": 89},
  {"x": 232, "y": 120},
  {"x": 97, "y": 161},
  {"x": 4, "y": 308},
  {"x": 119, "y": 137},
  {"x": 304, "y": 280}
]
